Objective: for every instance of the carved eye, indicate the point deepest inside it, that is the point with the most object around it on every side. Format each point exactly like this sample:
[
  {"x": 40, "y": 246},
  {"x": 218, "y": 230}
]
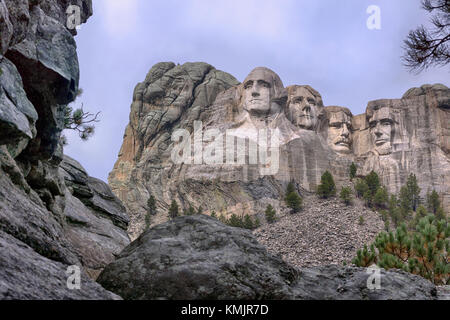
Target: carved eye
[
  {"x": 311, "y": 101},
  {"x": 298, "y": 100},
  {"x": 385, "y": 123},
  {"x": 264, "y": 84},
  {"x": 373, "y": 124},
  {"x": 248, "y": 85}
]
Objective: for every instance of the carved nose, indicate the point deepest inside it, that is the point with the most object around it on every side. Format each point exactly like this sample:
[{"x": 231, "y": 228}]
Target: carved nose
[
  {"x": 345, "y": 131},
  {"x": 307, "y": 109}
]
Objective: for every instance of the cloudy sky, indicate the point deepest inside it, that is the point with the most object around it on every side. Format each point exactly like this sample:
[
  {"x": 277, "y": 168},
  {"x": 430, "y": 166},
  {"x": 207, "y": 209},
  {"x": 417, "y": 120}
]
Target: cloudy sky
[{"x": 323, "y": 43}]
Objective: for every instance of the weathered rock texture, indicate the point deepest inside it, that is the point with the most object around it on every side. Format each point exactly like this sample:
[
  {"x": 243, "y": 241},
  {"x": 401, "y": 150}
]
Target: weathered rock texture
[
  {"x": 394, "y": 138},
  {"x": 197, "y": 257},
  {"x": 52, "y": 214}
]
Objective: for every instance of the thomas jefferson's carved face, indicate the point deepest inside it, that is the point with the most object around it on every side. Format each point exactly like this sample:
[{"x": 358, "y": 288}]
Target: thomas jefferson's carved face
[
  {"x": 339, "y": 132},
  {"x": 381, "y": 127},
  {"x": 258, "y": 93},
  {"x": 303, "y": 108}
]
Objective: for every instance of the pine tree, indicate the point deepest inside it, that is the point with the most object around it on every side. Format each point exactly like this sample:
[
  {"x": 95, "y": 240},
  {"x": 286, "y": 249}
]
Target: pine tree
[
  {"x": 433, "y": 202},
  {"x": 151, "y": 211},
  {"x": 368, "y": 198},
  {"x": 327, "y": 187},
  {"x": 292, "y": 199},
  {"x": 440, "y": 214},
  {"x": 405, "y": 201},
  {"x": 420, "y": 214},
  {"x": 173, "y": 210},
  {"x": 190, "y": 211},
  {"x": 270, "y": 214},
  {"x": 200, "y": 210},
  {"x": 413, "y": 191},
  {"x": 151, "y": 205},
  {"x": 248, "y": 222},
  {"x": 373, "y": 182},
  {"x": 235, "y": 221},
  {"x": 213, "y": 214},
  {"x": 381, "y": 198},
  {"x": 352, "y": 171},
  {"x": 346, "y": 195},
  {"x": 422, "y": 252},
  {"x": 361, "y": 188}
]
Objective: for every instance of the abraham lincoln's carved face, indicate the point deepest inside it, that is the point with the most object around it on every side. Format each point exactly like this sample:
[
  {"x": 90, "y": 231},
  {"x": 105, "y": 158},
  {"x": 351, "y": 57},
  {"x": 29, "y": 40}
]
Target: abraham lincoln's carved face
[{"x": 381, "y": 130}]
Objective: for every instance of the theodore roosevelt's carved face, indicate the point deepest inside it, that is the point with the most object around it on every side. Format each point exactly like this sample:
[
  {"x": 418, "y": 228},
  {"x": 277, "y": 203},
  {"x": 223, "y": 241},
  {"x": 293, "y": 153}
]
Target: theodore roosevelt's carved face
[
  {"x": 381, "y": 130},
  {"x": 340, "y": 131},
  {"x": 303, "y": 107},
  {"x": 260, "y": 90}
]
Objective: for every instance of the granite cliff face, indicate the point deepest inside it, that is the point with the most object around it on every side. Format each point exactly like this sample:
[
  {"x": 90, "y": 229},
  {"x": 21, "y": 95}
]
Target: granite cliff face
[
  {"x": 198, "y": 136},
  {"x": 52, "y": 213}
]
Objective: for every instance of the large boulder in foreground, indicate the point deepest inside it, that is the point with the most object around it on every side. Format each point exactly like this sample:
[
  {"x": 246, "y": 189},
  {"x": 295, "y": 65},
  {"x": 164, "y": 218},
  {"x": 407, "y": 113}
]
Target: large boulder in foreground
[{"x": 197, "y": 257}]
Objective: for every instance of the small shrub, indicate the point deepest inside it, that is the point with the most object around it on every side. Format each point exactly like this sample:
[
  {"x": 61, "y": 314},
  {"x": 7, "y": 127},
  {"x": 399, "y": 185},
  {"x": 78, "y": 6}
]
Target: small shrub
[
  {"x": 361, "y": 220},
  {"x": 346, "y": 195},
  {"x": 361, "y": 188},
  {"x": 173, "y": 210},
  {"x": 270, "y": 214},
  {"x": 327, "y": 187},
  {"x": 352, "y": 171},
  {"x": 292, "y": 199}
]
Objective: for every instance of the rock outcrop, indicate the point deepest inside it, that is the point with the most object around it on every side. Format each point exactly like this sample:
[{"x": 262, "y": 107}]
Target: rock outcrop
[
  {"x": 52, "y": 213},
  {"x": 197, "y": 257},
  {"x": 197, "y": 136}
]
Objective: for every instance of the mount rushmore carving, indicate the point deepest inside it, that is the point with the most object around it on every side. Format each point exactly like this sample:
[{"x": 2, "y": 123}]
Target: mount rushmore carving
[{"x": 395, "y": 137}]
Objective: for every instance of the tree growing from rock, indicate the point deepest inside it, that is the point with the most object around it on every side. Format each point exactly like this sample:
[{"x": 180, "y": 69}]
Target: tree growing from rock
[
  {"x": 151, "y": 211},
  {"x": 425, "y": 47},
  {"x": 270, "y": 214},
  {"x": 173, "y": 210},
  {"x": 80, "y": 121},
  {"x": 293, "y": 199},
  {"x": 422, "y": 252},
  {"x": 327, "y": 187},
  {"x": 190, "y": 211}
]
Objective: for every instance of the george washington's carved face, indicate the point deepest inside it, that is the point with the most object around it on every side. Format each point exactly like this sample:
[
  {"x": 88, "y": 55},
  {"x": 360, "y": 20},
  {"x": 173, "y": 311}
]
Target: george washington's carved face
[
  {"x": 303, "y": 108},
  {"x": 381, "y": 130},
  {"x": 340, "y": 131},
  {"x": 260, "y": 89}
]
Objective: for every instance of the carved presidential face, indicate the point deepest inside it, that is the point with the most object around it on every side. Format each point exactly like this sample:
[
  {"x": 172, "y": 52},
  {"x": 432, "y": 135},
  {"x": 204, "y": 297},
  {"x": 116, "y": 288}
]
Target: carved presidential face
[
  {"x": 381, "y": 130},
  {"x": 259, "y": 90},
  {"x": 303, "y": 108},
  {"x": 339, "y": 131}
]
